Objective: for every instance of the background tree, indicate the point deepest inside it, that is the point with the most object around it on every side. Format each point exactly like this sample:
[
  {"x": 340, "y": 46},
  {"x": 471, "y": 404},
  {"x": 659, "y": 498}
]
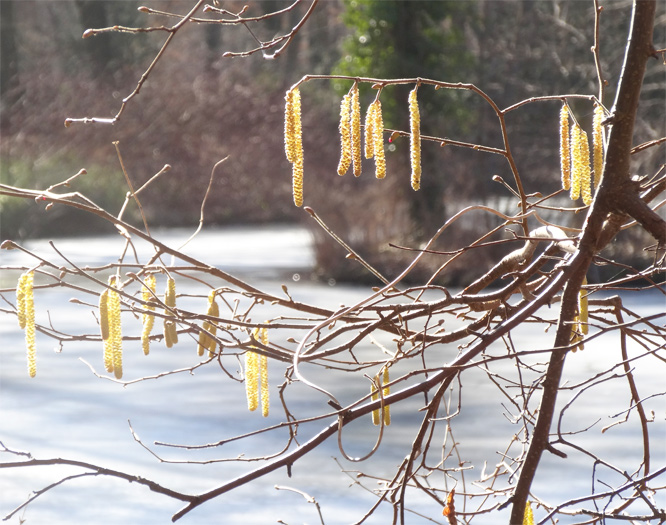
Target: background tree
[{"x": 231, "y": 323}]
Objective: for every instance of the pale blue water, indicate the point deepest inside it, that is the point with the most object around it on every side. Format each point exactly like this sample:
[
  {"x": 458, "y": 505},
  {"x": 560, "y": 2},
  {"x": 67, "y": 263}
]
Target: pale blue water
[{"x": 68, "y": 412}]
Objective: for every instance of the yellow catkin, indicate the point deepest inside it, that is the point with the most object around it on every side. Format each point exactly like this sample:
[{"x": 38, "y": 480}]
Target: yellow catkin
[
  {"x": 105, "y": 329},
  {"x": 355, "y": 124},
  {"x": 415, "y": 139},
  {"x": 29, "y": 322},
  {"x": 20, "y": 299},
  {"x": 585, "y": 172},
  {"x": 147, "y": 320},
  {"x": 381, "y": 379},
  {"x": 263, "y": 367},
  {"x": 369, "y": 131},
  {"x": 205, "y": 341},
  {"x": 385, "y": 392},
  {"x": 251, "y": 375},
  {"x": 265, "y": 400},
  {"x": 378, "y": 137},
  {"x": 375, "y": 396},
  {"x": 565, "y": 148},
  {"x": 528, "y": 517},
  {"x": 598, "y": 144},
  {"x": 297, "y": 181},
  {"x": 345, "y": 135},
  {"x": 115, "y": 331},
  {"x": 583, "y": 310},
  {"x": 289, "y": 139},
  {"x": 293, "y": 141},
  {"x": 170, "y": 333},
  {"x": 576, "y": 162}
]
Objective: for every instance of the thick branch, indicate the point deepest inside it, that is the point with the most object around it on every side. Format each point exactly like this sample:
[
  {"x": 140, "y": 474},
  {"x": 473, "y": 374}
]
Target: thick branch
[{"x": 612, "y": 195}]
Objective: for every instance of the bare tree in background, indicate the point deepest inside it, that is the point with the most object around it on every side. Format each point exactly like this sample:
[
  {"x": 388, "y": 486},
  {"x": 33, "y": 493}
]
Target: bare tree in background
[{"x": 548, "y": 268}]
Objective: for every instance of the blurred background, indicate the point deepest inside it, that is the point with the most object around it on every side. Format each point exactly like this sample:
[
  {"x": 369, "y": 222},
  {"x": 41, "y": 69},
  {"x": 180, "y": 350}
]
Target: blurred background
[{"x": 198, "y": 106}]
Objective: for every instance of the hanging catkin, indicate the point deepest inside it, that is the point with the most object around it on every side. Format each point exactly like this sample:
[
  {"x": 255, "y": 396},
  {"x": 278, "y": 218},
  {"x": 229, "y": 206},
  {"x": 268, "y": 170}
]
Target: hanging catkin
[
  {"x": 565, "y": 148},
  {"x": 170, "y": 332},
  {"x": 25, "y": 305},
  {"x": 205, "y": 341},
  {"x": 369, "y": 134},
  {"x": 355, "y": 125},
  {"x": 415, "y": 139},
  {"x": 345, "y": 135},
  {"x": 378, "y": 138},
  {"x": 147, "y": 319},
  {"x": 381, "y": 379},
  {"x": 576, "y": 162},
  {"x": 110, "y": 325},
  {"x": 251, "y": 375},
  {"x": 293, "y": 142},
  {"x": 585, "y": 173},
  {"x": 598, "y": 144}
]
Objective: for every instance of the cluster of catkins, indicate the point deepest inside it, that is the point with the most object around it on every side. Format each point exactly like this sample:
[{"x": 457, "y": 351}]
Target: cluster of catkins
[
  {"x": 350, "y": 137},
  {"x": 577, "y": 176}
]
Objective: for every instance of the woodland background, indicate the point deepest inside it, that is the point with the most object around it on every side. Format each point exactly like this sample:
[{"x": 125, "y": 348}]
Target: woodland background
[{"x": 219, "y": 106}]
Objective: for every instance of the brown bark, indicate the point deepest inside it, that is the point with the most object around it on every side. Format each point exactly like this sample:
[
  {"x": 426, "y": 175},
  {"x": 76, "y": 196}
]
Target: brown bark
[{"x": 617, "y": 194}]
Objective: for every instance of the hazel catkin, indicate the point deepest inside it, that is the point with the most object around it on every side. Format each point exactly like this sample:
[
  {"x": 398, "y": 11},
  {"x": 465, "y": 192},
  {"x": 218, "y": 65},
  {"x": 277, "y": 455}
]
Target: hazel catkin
[
  {"x": 415, "y": 139},
  {"x": 251, "y": 375},
  {"x": 345, "y": 135},
  {"x": 147, "y": 320},
  {"x": 598, "y": 144},
  {"x": 293, "y": 141},
  {"x": 381, "y": 379},
  {"x": 207, "y": 342},
  {"x": 378, "y": 139},
  {"x": 369, "y": 134},
  {"x": 565, "y": 148},
  {"x": 26, "y": 316},
  {"x": 110, "y": 322},
  {"x": 355, "y": 129},
  {"x": 170, "y": 332},
  {"x": 585, "y": 172}
]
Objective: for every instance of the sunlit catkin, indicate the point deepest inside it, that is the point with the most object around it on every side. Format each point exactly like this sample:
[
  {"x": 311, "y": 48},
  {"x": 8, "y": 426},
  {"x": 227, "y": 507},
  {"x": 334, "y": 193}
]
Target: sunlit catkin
[
  {"x": 381, "y": 379},
  {"x": 565, "y": 148},
  {"x": 577, "y": 161},
  {"x": 26, "y": 307},
  {"x": 355, "y": 124},
  {"x": 147, "y": 319},
  {"x": 378, "y": 138},
  {"x": 385, "y": 392},
  {"x": 205, "y": 341},
  {"x": 345, "y": 135},
  {"x": 251, "y": 375},
  {"x": 598, "y": 144},
  {"x": 528, "y": 517},
  {"x": 20, "y": 299},
  {"x": 369, "y": 134},
  {"x": 583, "y": 309},
  {"x": 415, "y": 139},
  {"x": 375, "y": 396},
  {"x": 170, "y": 333},
  {"x": 293, "y": 141},
  {"x": 115, "y": 330},
  {"x": 585, "y": 173},
  {"x": 263, "y": 372},
  {"x": 105, "y": 330}
]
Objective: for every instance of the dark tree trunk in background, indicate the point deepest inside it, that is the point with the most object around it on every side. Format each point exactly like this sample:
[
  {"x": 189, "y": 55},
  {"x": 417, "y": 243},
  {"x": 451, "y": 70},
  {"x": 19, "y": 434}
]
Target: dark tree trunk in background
[
  {"x": 9, "y": 80},
  {"x": 100, "y": 52}
]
